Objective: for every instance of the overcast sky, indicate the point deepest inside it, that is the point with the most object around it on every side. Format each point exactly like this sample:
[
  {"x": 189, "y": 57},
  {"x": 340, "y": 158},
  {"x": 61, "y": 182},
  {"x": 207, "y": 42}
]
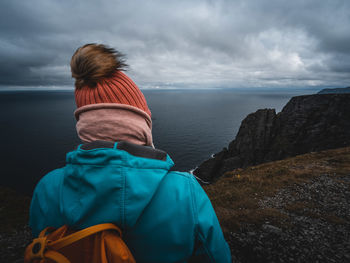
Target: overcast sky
[{"x": 247, "y": 43}]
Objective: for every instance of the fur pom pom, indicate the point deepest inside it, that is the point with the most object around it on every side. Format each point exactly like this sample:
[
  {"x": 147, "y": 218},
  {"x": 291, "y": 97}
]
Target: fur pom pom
[{"x": 93, "y": 62}]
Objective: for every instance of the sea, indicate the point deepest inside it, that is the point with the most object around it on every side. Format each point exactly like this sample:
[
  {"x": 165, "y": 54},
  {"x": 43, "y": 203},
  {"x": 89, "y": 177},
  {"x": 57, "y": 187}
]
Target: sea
[{"x": 37, "y": 128}]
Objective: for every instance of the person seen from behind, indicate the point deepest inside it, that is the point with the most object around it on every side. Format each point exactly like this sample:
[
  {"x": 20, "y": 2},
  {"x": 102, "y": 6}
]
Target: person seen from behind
[{"x": 117, "y": 176}]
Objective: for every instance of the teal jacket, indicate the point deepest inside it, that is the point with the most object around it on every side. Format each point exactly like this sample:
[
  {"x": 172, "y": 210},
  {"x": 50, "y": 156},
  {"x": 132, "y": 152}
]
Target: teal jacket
[{"x": 165, "y": 216}]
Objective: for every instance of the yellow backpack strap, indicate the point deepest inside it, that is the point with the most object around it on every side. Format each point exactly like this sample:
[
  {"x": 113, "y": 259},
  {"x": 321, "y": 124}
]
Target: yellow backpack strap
[
  {"x": 67, "y": 240},
  {"x": 37, "y": 250},
  {"x": 43, "y": 233},
  {"x": 41, "y": 248}
]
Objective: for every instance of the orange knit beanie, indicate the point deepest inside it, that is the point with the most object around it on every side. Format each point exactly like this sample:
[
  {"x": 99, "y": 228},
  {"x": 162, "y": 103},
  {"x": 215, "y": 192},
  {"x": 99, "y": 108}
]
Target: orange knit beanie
[
  {"x": 118, "y": 88},
  {"x": 99, "y": 78}
]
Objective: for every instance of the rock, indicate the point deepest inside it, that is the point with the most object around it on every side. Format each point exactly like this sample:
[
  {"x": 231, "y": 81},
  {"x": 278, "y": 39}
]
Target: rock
[
  {"x": 254, "y": 137},
  {"x": 211, "y": 165},
  {"x": 272, "y": 229},
  {"x": 306, "y": 124}
]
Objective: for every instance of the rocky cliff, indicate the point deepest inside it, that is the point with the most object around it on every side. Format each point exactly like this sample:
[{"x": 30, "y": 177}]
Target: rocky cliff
[{"x": 306, "y": 124}]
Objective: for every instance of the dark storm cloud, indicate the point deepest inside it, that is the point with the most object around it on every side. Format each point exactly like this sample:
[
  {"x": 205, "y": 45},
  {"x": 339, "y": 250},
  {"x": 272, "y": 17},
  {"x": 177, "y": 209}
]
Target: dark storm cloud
[{"x": 193, "y": 43}]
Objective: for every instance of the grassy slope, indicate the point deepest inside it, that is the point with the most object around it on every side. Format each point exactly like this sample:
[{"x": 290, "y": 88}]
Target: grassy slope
[{"x": 236, "y": 195}]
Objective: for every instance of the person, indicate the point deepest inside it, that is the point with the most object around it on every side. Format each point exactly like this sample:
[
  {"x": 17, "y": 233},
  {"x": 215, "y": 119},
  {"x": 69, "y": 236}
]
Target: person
[{"x": 117, "y": 176}]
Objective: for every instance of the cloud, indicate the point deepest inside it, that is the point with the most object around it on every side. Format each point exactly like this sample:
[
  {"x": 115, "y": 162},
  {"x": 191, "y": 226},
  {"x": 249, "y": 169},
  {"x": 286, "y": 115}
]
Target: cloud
[{"x": 187, "y": 43}]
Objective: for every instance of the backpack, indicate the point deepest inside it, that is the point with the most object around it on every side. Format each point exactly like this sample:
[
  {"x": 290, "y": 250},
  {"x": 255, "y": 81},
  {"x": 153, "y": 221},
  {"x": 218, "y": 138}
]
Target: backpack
[{"x": 100, "y": 243}]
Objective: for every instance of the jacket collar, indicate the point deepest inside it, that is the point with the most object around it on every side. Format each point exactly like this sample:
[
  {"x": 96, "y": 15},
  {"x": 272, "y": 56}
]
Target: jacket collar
[{"x": 119, "y": 153}]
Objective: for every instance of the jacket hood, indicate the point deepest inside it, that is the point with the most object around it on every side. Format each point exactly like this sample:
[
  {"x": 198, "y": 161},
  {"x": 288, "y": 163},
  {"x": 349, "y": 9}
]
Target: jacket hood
[{"x": 98, "y": 180}]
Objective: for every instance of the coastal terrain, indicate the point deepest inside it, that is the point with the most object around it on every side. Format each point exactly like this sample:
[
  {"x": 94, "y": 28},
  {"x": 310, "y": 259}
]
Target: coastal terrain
[{"x": 281, "y": 189}]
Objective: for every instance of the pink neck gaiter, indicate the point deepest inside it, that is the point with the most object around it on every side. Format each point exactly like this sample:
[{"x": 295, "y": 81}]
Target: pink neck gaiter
[{"x": 113, "y": 122}]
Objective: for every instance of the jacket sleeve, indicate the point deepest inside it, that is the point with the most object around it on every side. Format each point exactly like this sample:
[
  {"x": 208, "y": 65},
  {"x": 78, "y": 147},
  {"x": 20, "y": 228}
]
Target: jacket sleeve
[
  {"x": 210, "y": 243},
  {"x": 44, "y": 207}
]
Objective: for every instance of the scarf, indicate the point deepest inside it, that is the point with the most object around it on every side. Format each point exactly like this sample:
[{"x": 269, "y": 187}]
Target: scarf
[{"x": 113, "y": 122}]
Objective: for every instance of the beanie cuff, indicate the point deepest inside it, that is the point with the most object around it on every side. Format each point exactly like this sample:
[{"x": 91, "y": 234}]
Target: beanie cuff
[{"x": 97, "y": 106}]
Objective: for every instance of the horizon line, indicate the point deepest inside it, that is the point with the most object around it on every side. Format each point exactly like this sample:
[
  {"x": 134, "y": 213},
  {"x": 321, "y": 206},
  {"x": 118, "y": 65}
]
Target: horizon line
[{"x": 70, "y": 88}]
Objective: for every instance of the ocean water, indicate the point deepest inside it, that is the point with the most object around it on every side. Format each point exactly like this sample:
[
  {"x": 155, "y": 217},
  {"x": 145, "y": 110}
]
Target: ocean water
[{"x": 37, "y": 128}]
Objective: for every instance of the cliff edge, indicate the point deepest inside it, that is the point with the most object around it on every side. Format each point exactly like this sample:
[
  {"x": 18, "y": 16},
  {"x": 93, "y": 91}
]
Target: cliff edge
[{"x": 306, "y": 124}]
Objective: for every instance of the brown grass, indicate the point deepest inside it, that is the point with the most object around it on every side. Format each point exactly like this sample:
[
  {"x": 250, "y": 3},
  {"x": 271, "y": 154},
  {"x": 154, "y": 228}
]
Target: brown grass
[{"x": 235, "y": 196}]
